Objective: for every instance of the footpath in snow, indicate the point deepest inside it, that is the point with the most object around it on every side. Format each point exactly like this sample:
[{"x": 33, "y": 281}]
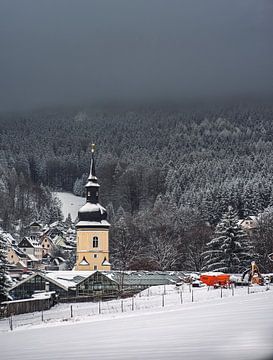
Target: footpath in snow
[{"x": 210, "y": 327}]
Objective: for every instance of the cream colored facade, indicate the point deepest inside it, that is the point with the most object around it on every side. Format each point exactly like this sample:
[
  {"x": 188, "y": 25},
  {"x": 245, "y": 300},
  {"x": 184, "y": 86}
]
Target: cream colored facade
[
  {"x": 47, "y": 245},
  {"x": 89, "y": 256},
  {"x": 12, "y": 257}
]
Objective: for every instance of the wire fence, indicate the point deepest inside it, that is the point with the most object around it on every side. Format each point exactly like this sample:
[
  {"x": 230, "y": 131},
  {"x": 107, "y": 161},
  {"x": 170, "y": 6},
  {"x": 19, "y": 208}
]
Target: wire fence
[{"x": 151, "y": 298}]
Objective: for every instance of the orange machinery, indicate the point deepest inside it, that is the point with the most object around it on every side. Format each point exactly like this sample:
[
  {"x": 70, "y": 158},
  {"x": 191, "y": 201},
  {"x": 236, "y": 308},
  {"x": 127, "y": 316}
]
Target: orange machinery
[{"x": 254, "y": 275}]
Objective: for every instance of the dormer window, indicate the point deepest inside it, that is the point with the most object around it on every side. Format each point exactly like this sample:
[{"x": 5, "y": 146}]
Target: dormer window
[{"x": 95, "y": 242}]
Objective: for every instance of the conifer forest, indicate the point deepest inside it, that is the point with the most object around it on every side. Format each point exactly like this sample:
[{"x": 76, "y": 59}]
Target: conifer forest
[{"x": 167, "y": 174}]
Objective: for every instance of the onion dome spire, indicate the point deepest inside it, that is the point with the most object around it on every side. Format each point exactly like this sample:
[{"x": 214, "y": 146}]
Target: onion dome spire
[{"x": 92, "y": 213}]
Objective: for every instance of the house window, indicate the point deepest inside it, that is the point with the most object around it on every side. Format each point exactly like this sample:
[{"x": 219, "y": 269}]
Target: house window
[
  {"x": 95, "y": 267},
  {"x": 95, "y": 242},
  {"x": 95, "y": 256}
]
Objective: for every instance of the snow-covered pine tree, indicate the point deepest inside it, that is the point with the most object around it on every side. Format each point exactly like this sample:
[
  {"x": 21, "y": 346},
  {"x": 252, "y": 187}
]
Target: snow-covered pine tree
[
  {"x": 5, "y": 281},
  {"x": 230, "y": 250}
]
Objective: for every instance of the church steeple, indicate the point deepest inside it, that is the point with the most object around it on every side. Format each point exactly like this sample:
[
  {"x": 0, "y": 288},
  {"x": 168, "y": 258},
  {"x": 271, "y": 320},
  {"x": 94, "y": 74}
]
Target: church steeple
[
  {"x": 92, "y": 186},
  {"x": 92, "y": 227}
]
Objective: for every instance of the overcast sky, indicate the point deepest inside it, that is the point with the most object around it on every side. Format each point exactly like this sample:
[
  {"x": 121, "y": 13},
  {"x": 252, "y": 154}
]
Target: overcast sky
[{"x": 71, "y": 51}]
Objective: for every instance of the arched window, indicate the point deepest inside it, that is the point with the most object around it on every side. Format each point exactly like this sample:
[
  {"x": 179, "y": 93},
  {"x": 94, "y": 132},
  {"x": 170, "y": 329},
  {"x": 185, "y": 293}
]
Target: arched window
[{"x": 95, "y": 242}]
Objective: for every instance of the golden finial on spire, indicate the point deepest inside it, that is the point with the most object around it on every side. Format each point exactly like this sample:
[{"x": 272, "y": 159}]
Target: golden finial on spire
[{"x": 93, "y": 146}]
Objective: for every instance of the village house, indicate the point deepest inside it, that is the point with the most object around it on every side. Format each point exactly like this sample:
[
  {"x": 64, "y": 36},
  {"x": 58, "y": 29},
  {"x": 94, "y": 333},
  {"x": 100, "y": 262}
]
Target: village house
[
  {"x": 47, "y": 245},
  {"x": 249, "y": 224},
  {"x": 33, "y": 250}
]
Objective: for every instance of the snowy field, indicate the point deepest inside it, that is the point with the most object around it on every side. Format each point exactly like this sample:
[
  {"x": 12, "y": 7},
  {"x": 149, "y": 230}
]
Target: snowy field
[
  {"x": 70, "y": 203},
  {"x": 210, "y": 327}
]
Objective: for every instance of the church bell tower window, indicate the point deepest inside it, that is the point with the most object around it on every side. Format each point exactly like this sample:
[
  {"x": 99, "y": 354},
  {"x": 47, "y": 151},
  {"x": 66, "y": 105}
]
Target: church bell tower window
[{"x": 95, "y": 242}]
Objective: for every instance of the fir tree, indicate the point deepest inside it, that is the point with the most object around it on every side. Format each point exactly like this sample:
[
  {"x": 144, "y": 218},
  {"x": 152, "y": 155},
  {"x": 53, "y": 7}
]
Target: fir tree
[
  {"x": 230, "y": 250},
  {"x": 5, "y": 281},
  {"x": 68, "y": 221}
]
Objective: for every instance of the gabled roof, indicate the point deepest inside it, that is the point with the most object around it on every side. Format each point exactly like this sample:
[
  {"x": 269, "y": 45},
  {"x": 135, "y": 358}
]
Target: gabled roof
[
  {"x": 63, "y": 279},
  {"x": 32, "y": 243},
  {"x": 35, "y": 223},
  {"x": 68, "y": 279}
]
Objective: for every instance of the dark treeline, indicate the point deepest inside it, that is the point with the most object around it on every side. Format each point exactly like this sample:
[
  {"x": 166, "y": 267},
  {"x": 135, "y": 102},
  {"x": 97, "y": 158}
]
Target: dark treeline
[{"x": 194, "y": 160}]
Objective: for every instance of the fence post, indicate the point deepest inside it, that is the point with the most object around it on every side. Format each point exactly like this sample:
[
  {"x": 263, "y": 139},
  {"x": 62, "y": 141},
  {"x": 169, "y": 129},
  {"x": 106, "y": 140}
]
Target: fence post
[
  {"x": 248, "y": 289},
  {"x": 163, "y": 300},
  {"x": 121, "y": 305},
  {"x": 232, "y": 289},
  {"x": 42, "y": 315},
  {"x": 190, "y": 289},
  {"x": 99, "y": 307},
  {"x": 221, "y": 292},
  {"x": 181, "y": 297},
  {"x": 71, "y": 311},
  {"x": 10, "y": 322},
  {"x": 133, "y": 305},
  {"x": 191, "y": 295},
  {"x": 164, "y": 289},
  {"x": 148, "y": 291}
]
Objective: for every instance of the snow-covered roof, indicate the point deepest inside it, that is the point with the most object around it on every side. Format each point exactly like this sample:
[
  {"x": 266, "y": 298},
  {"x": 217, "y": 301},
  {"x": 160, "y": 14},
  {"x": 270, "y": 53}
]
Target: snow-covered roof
[
  {"x": 63, "y": 279},
  {"x": 21, "y": 263},
  {"x": 53, "y": 224},
  {"x": 32, "y": 257},
  {"x": 103, "y": 223},
  {"x": 32, "y": 242},
  {"x": 8, "y": 237},
  {"x": 68, "y": 279}
]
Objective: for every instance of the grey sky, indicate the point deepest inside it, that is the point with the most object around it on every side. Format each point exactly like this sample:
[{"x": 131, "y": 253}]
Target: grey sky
[{"x": 70, "y": 51}]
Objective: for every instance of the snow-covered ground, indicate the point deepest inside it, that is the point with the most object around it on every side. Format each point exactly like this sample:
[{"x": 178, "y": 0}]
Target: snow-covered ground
[
  {"x": 70, "y": 203},
  {"x": 210, "y": 327}
]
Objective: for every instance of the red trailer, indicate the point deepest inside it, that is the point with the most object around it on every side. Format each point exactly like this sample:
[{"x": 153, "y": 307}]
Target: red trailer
[{"x": 217, "y": 279}]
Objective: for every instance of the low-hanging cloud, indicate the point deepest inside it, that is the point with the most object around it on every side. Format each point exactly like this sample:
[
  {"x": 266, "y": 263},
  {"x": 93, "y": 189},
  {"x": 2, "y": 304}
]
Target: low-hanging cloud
[{"x": 70, "y": 51}]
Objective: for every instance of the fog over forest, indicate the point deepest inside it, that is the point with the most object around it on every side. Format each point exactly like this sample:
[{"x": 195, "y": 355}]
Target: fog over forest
[{"x": 70, "y": 52}]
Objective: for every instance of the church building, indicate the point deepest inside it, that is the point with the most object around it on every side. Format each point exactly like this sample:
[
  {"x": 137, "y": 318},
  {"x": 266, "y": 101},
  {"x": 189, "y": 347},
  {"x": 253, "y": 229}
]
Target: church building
[{"x": 92, "y": 228}]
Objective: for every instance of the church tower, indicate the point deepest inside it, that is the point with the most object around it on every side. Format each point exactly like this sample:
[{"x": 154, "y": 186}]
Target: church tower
[{"x": 92, "y": 228}]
